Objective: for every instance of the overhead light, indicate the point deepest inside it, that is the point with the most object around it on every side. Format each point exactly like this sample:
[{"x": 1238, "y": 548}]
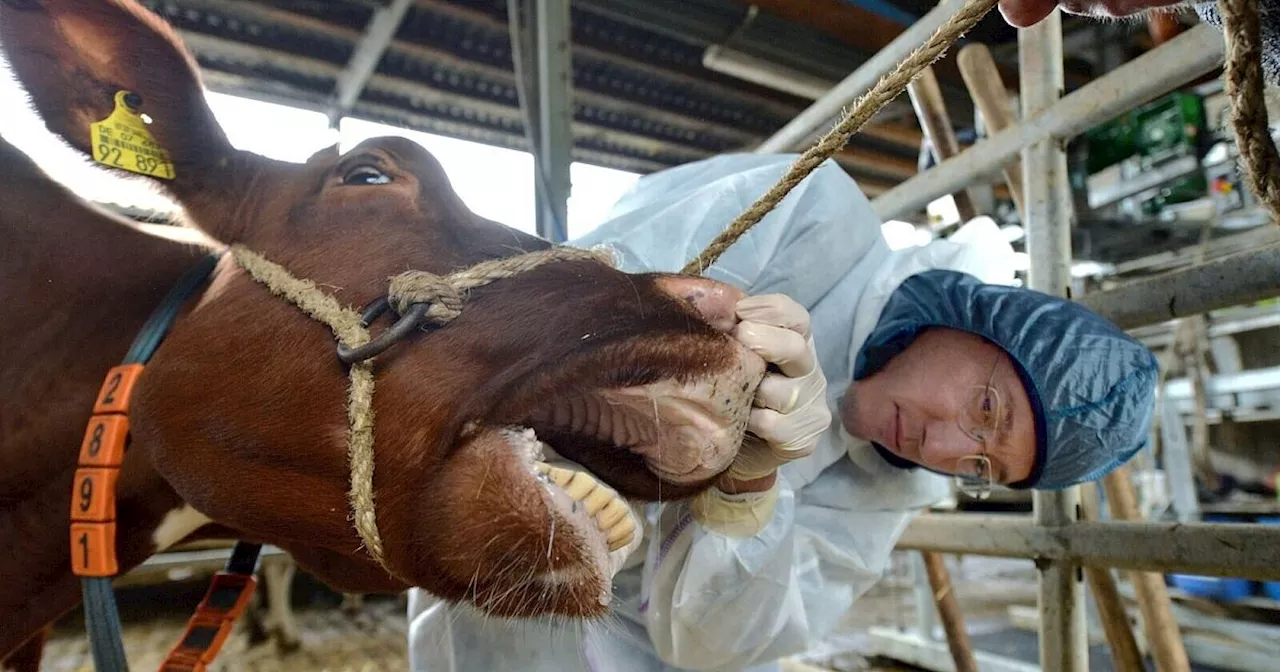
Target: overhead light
[{"x": 746, "y": 67}]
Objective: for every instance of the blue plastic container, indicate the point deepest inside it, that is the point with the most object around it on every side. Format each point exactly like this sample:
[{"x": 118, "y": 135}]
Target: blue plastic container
[
  {"x": 1226, "y": 589},
  {"x": 1270, "y": 588},
  {"x": 1213, "y": 587}
]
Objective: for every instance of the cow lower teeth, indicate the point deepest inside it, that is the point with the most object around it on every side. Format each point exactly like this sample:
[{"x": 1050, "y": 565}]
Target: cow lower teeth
[{"x": 602, "y": 503}]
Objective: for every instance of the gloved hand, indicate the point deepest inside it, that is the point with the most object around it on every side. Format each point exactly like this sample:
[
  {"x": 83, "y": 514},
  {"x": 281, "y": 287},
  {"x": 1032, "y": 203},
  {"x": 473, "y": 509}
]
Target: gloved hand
[
  {"x": 789, "y": 417},
  {"x": 790, "y": 411}
]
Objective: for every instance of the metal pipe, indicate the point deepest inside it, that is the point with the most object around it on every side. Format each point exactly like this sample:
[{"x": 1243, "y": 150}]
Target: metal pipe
[
  {"x": 1243, "y": 382},
  {"x": 368, "y": 52},
  {"x": 555, "y": 118},
  {"x": 1172, "y": 64},
  {"x": 885, "y": 9},
  {"x": 744, "y": 66},
  {"x": 1244, "y": 550},
  {"x": 821, "y": 112},
  {"x": 1064, "y": 643},
  {"x": 1239, "y": 278},
  {"x": 1229, "y": 325}
]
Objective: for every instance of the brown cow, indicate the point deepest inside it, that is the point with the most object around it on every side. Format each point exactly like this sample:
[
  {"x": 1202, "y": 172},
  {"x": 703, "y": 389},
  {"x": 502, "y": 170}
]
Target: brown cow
[{"x": 239, "y": 422}]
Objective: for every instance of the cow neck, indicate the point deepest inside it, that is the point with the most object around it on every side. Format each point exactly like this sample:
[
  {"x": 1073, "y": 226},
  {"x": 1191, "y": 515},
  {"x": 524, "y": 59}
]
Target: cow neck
[
  {"x": 419, "y": 297},
  {"x": 93, "y": 508}
]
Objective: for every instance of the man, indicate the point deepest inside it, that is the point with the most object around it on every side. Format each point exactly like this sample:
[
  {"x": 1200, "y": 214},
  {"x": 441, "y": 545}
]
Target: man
[{"x": 929, "y": 372}]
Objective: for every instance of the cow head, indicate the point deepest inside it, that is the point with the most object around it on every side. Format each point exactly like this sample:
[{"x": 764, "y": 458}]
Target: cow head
[{"x": 242, "y": 410}]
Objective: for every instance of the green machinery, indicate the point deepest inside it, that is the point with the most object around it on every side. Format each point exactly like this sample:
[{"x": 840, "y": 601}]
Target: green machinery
[{"x": 1154, "y": 150}]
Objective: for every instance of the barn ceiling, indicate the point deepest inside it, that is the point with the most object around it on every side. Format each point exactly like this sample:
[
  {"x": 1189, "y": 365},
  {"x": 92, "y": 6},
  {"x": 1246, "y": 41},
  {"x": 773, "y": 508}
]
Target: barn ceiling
[{"x": 643, "y": 99}]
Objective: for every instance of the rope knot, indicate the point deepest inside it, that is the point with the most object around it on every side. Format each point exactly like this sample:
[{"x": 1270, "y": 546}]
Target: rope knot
[
  {"x": 440, "y": 293},
  {"x": 445, "y": 294}
]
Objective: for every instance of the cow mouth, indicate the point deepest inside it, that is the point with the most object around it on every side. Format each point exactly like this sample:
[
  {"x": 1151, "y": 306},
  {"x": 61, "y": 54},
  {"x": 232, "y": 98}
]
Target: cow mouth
[
  {"x": 684, "y": 431},
  {"x": 580, "y": 440},
  {"x": 601, "y": 517}
]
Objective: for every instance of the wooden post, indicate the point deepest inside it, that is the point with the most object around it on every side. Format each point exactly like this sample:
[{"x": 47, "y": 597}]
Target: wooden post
[
  {"x": 949, "y": 612},
  {"x": 982, "y": 78},
  {"x": 1163, "y": 635},
  {"x": 1115, "y": 622},
  {"x": 931, "y": 110}
]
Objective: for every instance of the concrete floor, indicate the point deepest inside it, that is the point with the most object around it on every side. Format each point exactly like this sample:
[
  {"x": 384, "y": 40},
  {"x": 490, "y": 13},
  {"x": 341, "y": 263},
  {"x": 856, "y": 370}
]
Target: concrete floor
[{"x": 374, "y": 638}]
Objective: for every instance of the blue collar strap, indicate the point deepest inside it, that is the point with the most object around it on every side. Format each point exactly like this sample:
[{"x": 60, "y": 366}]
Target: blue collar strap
[{"x": 93, "y": 509}]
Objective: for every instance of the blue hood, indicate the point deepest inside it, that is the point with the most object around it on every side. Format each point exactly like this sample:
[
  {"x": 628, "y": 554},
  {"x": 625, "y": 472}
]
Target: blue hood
[{"x": 1092, "y": 387}]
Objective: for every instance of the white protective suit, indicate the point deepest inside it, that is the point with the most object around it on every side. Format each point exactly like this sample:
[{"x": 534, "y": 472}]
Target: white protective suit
[{"x": 690, "y": 598}]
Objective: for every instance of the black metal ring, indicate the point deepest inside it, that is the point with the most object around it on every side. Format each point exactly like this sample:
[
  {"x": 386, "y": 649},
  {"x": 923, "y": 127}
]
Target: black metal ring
[
  {"x": 375, "y": 308},
  {"x": 407, "y": 323}
]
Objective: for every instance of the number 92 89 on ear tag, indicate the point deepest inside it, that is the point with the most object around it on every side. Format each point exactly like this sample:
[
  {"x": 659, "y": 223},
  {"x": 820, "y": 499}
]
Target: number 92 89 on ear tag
[{"x": 123, "y": 141}]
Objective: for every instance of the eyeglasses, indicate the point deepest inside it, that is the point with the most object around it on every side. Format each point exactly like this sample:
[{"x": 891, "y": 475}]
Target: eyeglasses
[{"x": 980, "y": 421}]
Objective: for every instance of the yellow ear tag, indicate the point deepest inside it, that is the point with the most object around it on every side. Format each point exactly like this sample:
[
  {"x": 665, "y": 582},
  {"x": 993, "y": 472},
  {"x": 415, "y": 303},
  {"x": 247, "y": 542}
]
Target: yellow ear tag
[{"x": 123, "y": 141}]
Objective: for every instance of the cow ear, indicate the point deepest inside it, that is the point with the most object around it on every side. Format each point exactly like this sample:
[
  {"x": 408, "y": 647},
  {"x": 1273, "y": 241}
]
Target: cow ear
[{"x": 114, "y": 81}]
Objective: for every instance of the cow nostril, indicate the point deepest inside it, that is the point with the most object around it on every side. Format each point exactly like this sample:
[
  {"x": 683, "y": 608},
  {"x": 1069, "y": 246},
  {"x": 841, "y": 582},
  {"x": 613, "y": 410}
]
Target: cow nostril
[{"x": 715, "y": 301}]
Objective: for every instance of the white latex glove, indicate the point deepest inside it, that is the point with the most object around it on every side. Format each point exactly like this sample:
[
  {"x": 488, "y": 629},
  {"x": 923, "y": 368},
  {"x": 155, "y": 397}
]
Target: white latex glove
[
  {"x": 789, "y": 417},
  {"x": 790, "y": 413}
]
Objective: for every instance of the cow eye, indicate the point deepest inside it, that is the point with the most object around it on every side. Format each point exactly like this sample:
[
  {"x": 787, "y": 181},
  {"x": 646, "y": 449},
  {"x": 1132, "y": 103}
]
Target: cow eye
[{"x": 365, "y": 175}]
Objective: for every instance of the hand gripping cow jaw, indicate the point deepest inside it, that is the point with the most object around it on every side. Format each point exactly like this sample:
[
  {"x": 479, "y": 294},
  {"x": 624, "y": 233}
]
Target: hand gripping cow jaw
[{"x": 241, "y": 412}]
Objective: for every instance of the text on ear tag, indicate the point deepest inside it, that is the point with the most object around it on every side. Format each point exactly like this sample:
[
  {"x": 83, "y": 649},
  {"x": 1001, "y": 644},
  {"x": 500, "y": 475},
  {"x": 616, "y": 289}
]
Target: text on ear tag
[{"x": 123, "y": 141}]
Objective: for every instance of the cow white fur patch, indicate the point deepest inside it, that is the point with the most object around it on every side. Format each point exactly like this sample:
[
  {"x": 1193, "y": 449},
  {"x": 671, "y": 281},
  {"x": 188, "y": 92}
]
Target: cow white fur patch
[{"x": 177, "y": 524}]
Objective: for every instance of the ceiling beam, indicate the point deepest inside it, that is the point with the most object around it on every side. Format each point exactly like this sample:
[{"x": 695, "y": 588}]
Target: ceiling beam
[
  {"x": 368, "y": 52},
  {"x": 869, "y": 32},
  {"x": 855, "y": 26},
  {"x": 424, "y": 94},
  {"x": 871, "y": 161},
  {"x": 897, "y": 134}
]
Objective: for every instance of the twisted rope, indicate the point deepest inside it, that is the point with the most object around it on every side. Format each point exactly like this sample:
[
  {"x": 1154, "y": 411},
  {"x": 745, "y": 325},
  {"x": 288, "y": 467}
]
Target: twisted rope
[
  {"x": 1242, "y": 30},
  {"x": 346, "y": 326},
  {"x": 444, "y": 294},
  {"x": 889, "y": 87}
]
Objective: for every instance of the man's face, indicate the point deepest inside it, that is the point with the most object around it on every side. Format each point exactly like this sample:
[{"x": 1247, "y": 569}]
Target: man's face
[
  {"x": 1024, "y": 13},
  {"x": 929, "y": 402}
]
